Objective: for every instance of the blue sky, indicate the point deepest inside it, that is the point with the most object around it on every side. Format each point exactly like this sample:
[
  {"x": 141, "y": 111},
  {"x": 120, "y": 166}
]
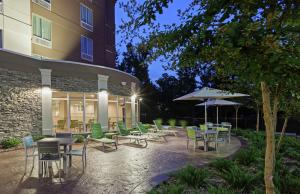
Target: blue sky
[{"x": 170, "y": 16}]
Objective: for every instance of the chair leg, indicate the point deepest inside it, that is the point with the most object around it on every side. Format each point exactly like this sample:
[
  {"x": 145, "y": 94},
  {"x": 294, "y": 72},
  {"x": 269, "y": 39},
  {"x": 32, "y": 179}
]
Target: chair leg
[
  {"x": 25, "y": 165},
  {"x": 85, "y": 163},
  {"x": 59, "y": 171},
  {"x": 82, "y": 158},
  {"x": 187, "y": 144}
]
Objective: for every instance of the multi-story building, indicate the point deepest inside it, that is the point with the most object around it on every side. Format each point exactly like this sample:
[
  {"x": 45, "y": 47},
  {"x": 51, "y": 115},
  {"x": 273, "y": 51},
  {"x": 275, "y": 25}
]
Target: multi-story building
[
  {"x": 72, "y": 30},
  {"x": 57, "y": 68}
]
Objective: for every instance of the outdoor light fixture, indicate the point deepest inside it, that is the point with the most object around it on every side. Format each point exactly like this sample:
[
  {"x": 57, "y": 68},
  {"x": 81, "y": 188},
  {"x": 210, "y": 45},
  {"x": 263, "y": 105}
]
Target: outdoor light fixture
[
  {"x": 141, "y": 99},
  {"x": 133, "y": 97},
  {"x": 46, "y": 89}
]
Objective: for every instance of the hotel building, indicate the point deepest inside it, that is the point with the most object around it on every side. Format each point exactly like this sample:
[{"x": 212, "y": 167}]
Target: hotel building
[{"x": 57, "y": 68}]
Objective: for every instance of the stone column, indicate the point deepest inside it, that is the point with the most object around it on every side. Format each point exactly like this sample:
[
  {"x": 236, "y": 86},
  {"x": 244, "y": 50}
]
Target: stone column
[
  {"x": 46, "y": 102},
  {"x": 103, "y": 101},
  {"x": 133, "y": 100}
]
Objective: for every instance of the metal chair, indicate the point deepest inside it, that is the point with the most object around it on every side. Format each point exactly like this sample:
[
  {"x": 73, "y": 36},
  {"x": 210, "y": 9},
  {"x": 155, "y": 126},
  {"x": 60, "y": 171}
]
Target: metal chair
[
  {"x": 30, "y": 151},
  {"x": 81, "y": 152},
  {"x": 192, "y": 136},
  {"x": 49, "y": 152}
]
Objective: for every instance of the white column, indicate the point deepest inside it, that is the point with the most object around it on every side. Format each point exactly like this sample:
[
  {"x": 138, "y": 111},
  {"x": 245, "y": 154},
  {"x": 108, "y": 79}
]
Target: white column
[
  {"x": 103, "y": 101},
  {"x": 46, "y": 102},
  {"x": 133, "y": 100}
]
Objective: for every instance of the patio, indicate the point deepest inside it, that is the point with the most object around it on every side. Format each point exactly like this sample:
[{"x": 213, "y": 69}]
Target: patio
[{"x": 128, "y": 170}]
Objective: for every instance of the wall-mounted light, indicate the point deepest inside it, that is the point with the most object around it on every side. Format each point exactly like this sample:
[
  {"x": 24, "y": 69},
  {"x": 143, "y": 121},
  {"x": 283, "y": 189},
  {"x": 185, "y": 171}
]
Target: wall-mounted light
[
  {"x": 140, "y": 99},
  {"x": 133, "y": 97},
  {"x": 103, "y": 92},
  {"x": 46, "y": 90}
]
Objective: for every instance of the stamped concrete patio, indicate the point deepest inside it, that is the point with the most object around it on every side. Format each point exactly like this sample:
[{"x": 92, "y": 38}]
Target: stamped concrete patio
[{"x": 130, "y": 169}]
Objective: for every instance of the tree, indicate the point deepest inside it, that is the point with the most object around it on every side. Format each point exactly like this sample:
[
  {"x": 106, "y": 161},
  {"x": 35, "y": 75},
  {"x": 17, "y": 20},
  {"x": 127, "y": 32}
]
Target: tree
[
  {"x": 254, "y": 41},
  {"x": 134, "y": 62}
]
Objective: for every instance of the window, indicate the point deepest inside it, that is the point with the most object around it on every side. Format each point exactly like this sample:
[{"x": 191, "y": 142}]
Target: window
[
  {"x": 86, "y": 17},
  {"x": 44, "y": 3},
  {"x": 41, "y": 30},
  {"x": 86, "y": 48}
]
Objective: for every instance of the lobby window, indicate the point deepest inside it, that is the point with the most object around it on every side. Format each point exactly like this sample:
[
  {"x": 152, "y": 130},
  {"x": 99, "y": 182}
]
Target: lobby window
[
  {"x": 41, "y": 30},
  {"x": 86, "y": 17},
  {"x": 44, "y": 3},
  {"x": 86, "y": 48}
]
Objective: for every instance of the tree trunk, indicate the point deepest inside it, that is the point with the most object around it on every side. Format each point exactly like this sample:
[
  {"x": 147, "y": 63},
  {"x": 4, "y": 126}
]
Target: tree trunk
[
  {"x": 270, "y": 139},
  {"x": 286, "y": 119},
  {"x": 257, "y": 119}
]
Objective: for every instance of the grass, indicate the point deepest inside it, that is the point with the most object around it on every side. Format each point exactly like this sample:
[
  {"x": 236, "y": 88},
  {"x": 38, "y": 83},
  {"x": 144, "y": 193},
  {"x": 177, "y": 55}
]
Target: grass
[{"x": 243, "y": 174}]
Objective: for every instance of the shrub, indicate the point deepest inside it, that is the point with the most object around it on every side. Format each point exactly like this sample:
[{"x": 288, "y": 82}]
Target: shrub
[
  {"x": 79, "y": 138},
  {"x": 183, "y": 123},
  {"x": 172, "y": 122},
  {"x": 239, "y": 179},
  {"x": 147, "y": 126},
  {"x": 10, "y": 142},
  {"x": 193, "y": 177},
  {"x": 247, "y": 156},
  {"x": 222, "y": 164},
  {"x": 159, "y": 121},
  {"x": 168, "y": 189},
  {"x": 219, "y": 190},
  {"x": 37, "y": 137}
]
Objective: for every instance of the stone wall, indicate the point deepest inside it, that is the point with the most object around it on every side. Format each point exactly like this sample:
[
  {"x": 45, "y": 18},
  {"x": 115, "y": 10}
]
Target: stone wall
[{"x": 20, "y": 103}]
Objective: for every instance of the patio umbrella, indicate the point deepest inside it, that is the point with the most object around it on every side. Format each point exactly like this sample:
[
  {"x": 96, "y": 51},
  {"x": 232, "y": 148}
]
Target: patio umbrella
[
  {"x": 209, "y": 93},
  {"x": 218, "y": 102}
]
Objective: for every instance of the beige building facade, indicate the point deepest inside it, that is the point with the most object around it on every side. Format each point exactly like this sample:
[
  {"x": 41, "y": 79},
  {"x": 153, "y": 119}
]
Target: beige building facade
[{"x": 69, "y": 30}]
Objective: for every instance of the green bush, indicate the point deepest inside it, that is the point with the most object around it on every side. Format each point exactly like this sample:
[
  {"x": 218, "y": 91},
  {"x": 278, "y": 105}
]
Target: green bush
[
  {"x": 222, "y": 164},
  {"x": 172, "y": 122},
  {"x": 193, "y": 177},
  {"x": 10, "y": 142},
  {"x": 37, "y": 137},
  {"x": 168, "y": 189},
  {"x": 239, "y": 179},
  {"x": 147, "y": 126},
  {"x": 159, "y": 121},
  {"x": 219, "y": 190},
  {"x": 183, "y": 123},
  {"x": 247, "y": 156},
  {"x": 79, "y": 138}
]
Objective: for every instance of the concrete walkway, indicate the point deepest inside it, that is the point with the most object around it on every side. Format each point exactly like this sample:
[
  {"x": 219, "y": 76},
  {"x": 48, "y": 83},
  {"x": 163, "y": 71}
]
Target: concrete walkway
[{"x": 130, "y": 169}]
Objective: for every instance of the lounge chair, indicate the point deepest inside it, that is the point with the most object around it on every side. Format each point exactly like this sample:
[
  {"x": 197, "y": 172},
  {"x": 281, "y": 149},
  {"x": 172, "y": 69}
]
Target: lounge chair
[
  {"x": 159, "y": 128},
  {"x": 98, "y": 136},
  {"x": 150, "y": 135},
  {"x": 123, "y": 133},
  {"x": 122, "y": 128}
]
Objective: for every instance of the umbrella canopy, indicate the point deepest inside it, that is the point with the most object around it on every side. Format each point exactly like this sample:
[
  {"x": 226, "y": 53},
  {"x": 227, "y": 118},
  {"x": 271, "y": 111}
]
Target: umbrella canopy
[
  {"x": 217, "y": 103},
  {"x": 207, "y": 93}
]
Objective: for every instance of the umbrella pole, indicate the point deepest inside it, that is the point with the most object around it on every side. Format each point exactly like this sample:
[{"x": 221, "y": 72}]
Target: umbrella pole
[
  {"x": 217, "y": 114},
  {"x": 236, "y": 113},
  {"x": 205, "y": 113}
]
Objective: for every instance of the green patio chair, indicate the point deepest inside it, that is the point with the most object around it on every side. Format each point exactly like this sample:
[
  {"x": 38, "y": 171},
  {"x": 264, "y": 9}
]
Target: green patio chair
[
  {"x": 125, "y": 133},
  {"x": 159, "y": 128},
  {"x": 145, "y": 131},
  {"x": 203, "y": 127},
  {"x": 223, "y": 134},
  {"x": 192, "y": 136},
  {"x": 98, "y": 136}
]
